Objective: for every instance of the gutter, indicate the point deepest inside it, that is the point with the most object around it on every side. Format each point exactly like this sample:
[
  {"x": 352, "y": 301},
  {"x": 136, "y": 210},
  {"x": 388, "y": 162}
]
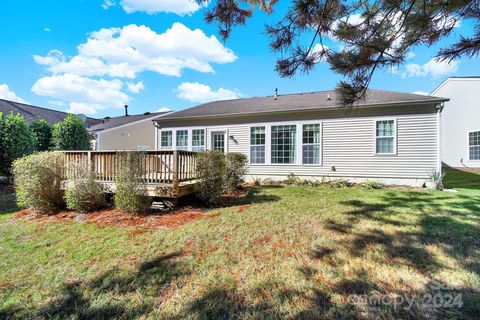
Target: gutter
[{"x": 227, "y": 115}]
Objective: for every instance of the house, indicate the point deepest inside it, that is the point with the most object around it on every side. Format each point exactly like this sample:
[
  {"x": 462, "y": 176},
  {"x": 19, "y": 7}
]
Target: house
[
  {"x": 388, "y": 136},
  {"x": 460, "y": 122},
  {"x": 128, "y": 132},
  {"x": 31, "y": 113}
]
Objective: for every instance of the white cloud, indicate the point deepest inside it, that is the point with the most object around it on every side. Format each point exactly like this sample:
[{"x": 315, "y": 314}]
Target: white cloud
[
  {"x": 84, "y": 95},
  {"x": 7, "y": 94},
  {"x": 433, "y": 68},
  {"x": 56, "y": 103},
  {"x": 423, "y": 93},
  {"x": 180, "y": 7},
  {"x": 321, "y": 52},
  {"x": 125, "y": 52},
  {"x": 163, "y": 109},
  {"x": 135, "y": 87},
  {"x": 47, "y": 29},
  {"x": 197, "y": 92}
]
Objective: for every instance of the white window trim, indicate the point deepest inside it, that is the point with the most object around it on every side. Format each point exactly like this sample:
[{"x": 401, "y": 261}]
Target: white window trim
[
  {"x": 312, "y": 144},
  {"x": 395, "y": 134},
  {"x": 190, "y": 140},
  {"x": 173, "y": 147},
  {"x": 298, "y": 146},
  {"x": 468, "y": 145},
  {"x": 255, "y": 145}
]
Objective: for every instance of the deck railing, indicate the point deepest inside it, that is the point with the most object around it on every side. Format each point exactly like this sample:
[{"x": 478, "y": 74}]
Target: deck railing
[{"x": 157, "y": 167}]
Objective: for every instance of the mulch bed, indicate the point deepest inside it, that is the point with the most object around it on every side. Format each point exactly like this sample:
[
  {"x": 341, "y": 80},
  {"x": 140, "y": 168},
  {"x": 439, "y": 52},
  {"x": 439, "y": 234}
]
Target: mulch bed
[
  {"x": 156, "y": 220},
  {"x": 115, "y": 218}
]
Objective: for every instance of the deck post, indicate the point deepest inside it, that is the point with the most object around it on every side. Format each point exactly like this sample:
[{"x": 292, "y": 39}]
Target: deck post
[
  {"x": 175, "y": 180},
  {"x": 89, "y": 161}
]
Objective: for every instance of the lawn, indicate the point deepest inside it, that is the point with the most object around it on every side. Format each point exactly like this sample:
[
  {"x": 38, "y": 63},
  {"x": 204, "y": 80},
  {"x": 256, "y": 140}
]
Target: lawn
[{"x": 284, "y": 252}]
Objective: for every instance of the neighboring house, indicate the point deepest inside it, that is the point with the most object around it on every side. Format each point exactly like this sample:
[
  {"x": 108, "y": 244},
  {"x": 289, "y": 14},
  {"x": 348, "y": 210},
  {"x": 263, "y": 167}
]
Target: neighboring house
[
  {"x": 388, "y": 136},
  {"x": 129, "y": 132},
  {"x": 31, "y": 113},
  {"x": 460, "y": 122}
]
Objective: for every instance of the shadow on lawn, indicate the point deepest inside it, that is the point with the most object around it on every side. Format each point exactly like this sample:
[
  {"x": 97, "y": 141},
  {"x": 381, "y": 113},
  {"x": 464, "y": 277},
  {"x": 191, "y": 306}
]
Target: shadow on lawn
[{"x": 81, "y": 300}]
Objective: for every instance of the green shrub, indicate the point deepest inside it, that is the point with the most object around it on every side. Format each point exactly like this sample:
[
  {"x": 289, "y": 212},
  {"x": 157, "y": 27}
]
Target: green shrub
[
  {"x": 130, "y": 189},
  {"x": 70, "y": 134},
  {"x": 37, "y": 181},
  {"x": 41, "y": 135},
  {"x": 370, "y": 184},
  {"x": 84, "y": 194},
  {"x": 16, "y": 141},
  {"x": 236, "y": 169},
  {"x": 211, "y": 171}
]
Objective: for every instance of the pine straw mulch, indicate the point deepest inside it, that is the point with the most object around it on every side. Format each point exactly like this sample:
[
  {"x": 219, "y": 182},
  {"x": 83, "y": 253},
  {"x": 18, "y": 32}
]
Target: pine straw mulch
[{"x": 154, "y": 220}]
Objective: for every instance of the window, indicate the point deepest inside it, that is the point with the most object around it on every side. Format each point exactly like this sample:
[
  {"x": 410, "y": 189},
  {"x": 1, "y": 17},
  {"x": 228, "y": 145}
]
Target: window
[
  {"x": 474, "y": 145},
  {"x": 311, "y": 143},
  {"x": 218, "y": 141},
  {"x": 143, "y": 148},
  {"x": 166, "y": 139},
  {"x": 283, "y": 143},
  {"x": 182, "y": 139},
  {"x": 385, "y": 137},
  {"x": 257, "y": 145},
  {"x": 198, "y": 140}
]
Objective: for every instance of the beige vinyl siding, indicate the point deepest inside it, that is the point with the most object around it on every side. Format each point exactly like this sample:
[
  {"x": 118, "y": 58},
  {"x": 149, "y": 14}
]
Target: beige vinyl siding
[
  {"x": 348, "y": 144},
  {"x": 128, "y": 137}
]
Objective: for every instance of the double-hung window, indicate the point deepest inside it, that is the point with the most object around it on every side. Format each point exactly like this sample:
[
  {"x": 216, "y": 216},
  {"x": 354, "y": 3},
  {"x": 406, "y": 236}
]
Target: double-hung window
[
  {"x": 166, "y": 139},
  {"x": 385, "y": 136},
  {"x": 198, "y": 140},
  {"x": 283, "y": 144},
  {"x": 257, "y": 145},
  {"x": 311, "y": 143},
  {"x": 474, "y": 145},
  {"x": 182, "y": 139}
]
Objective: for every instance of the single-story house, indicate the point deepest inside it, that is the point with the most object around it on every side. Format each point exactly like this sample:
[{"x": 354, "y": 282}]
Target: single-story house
[
  {"x": 128, "y": 132},
  {"x": 388, "y": 137},
  {"x": 31, "y": 113},
  {"x": 460, "y": 122}
]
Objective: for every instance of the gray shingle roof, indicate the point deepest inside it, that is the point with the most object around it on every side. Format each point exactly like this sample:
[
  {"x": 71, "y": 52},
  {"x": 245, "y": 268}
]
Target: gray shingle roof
[
  {"x": 31, "y": 113},
  {"x": 109, "y": 123},
  {"x": 294, "y": 102}
]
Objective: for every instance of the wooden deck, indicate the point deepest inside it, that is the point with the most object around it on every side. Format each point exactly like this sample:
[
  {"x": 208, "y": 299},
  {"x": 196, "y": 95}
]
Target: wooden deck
[{"x": 166, "y": 174}]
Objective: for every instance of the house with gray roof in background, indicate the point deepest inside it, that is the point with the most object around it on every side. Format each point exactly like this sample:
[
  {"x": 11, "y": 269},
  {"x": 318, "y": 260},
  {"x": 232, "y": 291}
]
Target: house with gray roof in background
[
  {"x": 127, "y": 132},
  {"x": 388, "y": 137},
  {"x": 31, "y": 113}
]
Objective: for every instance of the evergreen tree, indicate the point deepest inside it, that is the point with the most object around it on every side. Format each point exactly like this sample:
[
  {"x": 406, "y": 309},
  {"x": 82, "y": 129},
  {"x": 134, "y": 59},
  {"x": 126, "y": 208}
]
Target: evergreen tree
[
  {"x": 374, "y": 34},
  {"x": 15, "y": 139},
  {"x": 41, "y": 135},
  {"x": 70, "y": 134}
]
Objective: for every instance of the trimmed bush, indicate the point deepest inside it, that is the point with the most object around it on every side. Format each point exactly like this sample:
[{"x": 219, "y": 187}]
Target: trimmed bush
[
  {"x": 236, "y": 169},
  {"x": 16, "y": 141},
  {"x": 37, "y": 181},
  {"x": 41, "y": 135},
  {"x": 130, "y": 190},
  {"x": 70, "y": 134},
  {"x": 84, "y": 194},
  {"x": 211, "y": 171}
]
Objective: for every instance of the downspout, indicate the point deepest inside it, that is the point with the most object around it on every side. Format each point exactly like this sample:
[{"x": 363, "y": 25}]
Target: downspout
[{"x": 439, "y": 108}]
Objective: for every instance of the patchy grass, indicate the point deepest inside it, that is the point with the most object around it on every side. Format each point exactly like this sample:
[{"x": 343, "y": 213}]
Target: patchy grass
[{"x": 284, "y": 252}]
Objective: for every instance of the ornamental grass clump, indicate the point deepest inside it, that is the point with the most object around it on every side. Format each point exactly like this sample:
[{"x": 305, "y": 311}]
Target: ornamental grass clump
[
  {"x": 130, "y": 188},
  {"x": 37, "y": 180}
]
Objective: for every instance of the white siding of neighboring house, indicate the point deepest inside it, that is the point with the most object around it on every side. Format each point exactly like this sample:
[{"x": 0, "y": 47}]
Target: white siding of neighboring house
[
  {"x": 347, "y": 143},
  {"x": 460, "y": 116}
]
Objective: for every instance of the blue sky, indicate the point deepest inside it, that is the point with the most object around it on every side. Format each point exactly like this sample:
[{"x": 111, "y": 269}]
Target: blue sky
[{"x": 94, "y": 56}]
